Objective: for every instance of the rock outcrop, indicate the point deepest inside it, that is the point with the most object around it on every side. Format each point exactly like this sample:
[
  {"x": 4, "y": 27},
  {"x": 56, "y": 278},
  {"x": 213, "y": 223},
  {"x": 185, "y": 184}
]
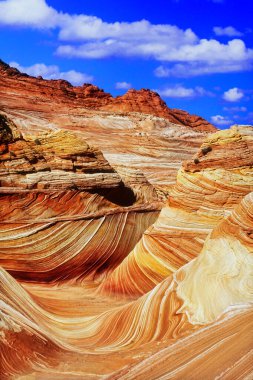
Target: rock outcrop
[
  {"x": 221, "y": 276},
  {"x": 63, "y": 194},
  {"x": 91, "y": 97},
  {"x": 208, "y": 187},
  {"x": 135, "y": 131},
  {"x": 53, "y": 161},
  {"x": 149, "y": 102}
]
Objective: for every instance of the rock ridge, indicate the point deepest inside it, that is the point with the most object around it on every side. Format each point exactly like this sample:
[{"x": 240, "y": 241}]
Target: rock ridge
[{"x": 92, "y": 97}]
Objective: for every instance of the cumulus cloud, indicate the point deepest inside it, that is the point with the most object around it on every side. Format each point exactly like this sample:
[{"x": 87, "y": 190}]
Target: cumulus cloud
[
  {"x": 123, "y": 85},
  {"x": 233, "y": 95},
  {"x": 171, "y": 48},
  {"x": 220, "y": 120},
  {"x": 53, "y": 72},
  {"x": 229, "y": 31},
  {"x": 34, "y": 13},
  {"x": 183, "y": 92},
  {"x": 90, "y": 37}
]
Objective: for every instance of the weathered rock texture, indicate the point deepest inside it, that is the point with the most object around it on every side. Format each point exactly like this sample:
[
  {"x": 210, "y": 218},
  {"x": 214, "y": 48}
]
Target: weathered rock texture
[
  {"x": 212, "y": 294},
  {"x": 90, "y": 96},
  {"x": 53, "y": 161},
  {"x": 93, "y": 284},
  {"x": 149, "y": 102},
  {"x": 136, "y": 131},
  {"x": 63, "y": 194},
  {"x": 207, "y": 189}
]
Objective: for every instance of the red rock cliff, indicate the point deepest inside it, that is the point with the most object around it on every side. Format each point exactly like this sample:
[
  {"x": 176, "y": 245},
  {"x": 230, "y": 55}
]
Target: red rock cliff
[{"x": 92, "y": 97}]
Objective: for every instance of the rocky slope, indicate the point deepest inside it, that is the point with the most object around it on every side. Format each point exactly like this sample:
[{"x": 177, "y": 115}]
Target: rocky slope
[
  {"x": 51, "y": 161},
  {"x": 136, "y": 131},
  {"x": 90, "y": 96},
  {"x": 149, "y": 102}
]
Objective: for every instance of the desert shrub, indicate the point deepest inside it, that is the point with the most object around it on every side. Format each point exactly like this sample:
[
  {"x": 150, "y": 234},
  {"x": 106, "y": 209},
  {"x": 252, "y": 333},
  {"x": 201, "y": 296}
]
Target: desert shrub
[
  {"x": 206, "y": 149},
  {"x": 37, "y": 142}
]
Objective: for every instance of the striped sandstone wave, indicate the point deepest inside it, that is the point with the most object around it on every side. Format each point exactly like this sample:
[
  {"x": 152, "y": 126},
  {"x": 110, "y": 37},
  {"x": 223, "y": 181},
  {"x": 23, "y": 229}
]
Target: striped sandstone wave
[
  {"x": 168, "y": 314},
  {"x": 207, "y": 189}
]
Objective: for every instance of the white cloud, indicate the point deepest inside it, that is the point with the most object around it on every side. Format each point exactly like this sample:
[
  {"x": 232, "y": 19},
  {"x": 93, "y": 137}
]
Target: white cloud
[
  {"x": 123, "y": 85},
  {"x": 171, "y": 48},
  {"x": 179, "y": 91},
  {"x": 235, "y": 109},
  {"x": 53, "y": 72},
  {"x": 34, "y": 13},
  {"x": 75, "y": 77},
  {"x": 86, "y": 28},
  {"x": 162, "y": 72},
  {"x": 220, "y": 120},
  {"x": 90, "y": 37},
  {"x": 233, "y": 95},
  {"x": 192, "y": 69},
  {"x": 229, "y": 31}
]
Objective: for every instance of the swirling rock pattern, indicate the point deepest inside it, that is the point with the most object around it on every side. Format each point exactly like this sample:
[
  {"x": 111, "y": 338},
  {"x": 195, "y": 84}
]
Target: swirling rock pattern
[
  {"x": 93, "y": 284},
  {"x": 223, "y": 270},
  {"x": 181, "y": 313},
  {"x": 205, "y": 192},
  {"x": 62, "y": 199}
]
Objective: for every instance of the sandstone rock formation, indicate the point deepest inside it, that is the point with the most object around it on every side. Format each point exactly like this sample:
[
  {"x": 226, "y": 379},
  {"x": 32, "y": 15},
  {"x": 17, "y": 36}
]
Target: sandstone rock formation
[
  {"x": 207, "y": 189},
  {"x": 94, "y": 282},
  {"x": 52, "y": 161},
  {"x": 62, "y": 193},
  {"x": 136, "y": 131},
  {"x": 90, "y": 96},
  {"x": 207, "y": 298},
  {"x": 149, "y": 102}
]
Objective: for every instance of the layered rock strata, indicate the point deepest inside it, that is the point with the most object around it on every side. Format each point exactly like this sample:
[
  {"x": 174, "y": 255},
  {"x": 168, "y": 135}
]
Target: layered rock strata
[
  {"x": 136, "y": 131},
  {"x": 90, "y": 96},
  {"x": 207, "y": 298},
  {"x": 60, "y": 196},
  {"x": 92, "y": 284},
  {"x": 207, "y": 189}
]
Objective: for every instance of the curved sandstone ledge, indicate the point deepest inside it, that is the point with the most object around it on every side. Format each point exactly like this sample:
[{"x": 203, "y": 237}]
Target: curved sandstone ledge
[
  {"x": 49, "y": 208},
  {"x": 190, "y": 355},
  {"x": 228, "y": 149},
  {"x": 182, "y": 311},
  {"x": 221, "y": 276},
  {"x": 60, "y": 199},
  {"x": 196, "y": 204}
]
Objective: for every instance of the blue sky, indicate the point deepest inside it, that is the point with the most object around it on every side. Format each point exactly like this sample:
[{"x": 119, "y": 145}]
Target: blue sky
[{"x": 198, "y": 54}]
